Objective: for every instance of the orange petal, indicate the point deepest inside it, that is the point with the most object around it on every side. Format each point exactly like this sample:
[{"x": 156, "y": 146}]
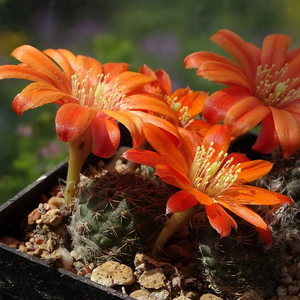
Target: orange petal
[
  {"x": 86, "y": 64},
  {"x": 274, "y": 49},
  {"x": 72, "y": 120},
  {"x": 251, "y": 195},
  {"x": 63, "y": 58},
  {"x": 106, "y": 137},
  {"x": 223, "y": 73},
  {"x": 201, "y": 197},
  {"x": 245, "y": 213},
  {"x": 217, "y": 105},
  {"x": 252, "y": 170},
  {"x": 163, "y": 145},
  {"x": 132, "y": 122},
  {"x": 164, "y": 81},
  {"x": 219, "y": 219},
  {"x": 114, "y": 69},
  {"x": 172, "y": 176},
  {"x": 23, "y": 72},
  {"x": 143, "y": 157},
  {"x": 291, "y": 55},
  {"x": 267, "y": 140},
  {"x": 245, "y": 115},
  {"x": 199, "y": 126},
  {"x": 218, "y": 136},
  {"x": 194, "y": 101},
  {"x": 238, "y": 158},
  {"x": 254, "y": 219},
  {"x": 190, "y": 141},
  {"x": 129, "y": 81},
  {"x": 265, "y": 234},
  {"x": 239, "y": 50},
  {"x": 40, "y": 62},
  {"x": 287, "y": 129},
  {"x": 167, "y": 126},
  {"x": 37, "y": 94},
  {"x": 195, "y": 60},
  {"x": 148, "y": 102},
  {"x": 180, "y": 201}
]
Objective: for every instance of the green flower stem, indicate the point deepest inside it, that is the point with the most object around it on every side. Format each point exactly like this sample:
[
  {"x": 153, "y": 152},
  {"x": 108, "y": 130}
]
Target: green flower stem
[
  {"x": 78, "y": 152},
  {"x": 171, "y": 226}
]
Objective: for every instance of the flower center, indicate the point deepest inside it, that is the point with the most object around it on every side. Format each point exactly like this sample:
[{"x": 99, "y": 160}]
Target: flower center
[
  {"x": 181, "y": 111},
  {"x": 273, "y": 88},
  {"x": 212, "y": 178},
  {"x": 99, "y": 95}
]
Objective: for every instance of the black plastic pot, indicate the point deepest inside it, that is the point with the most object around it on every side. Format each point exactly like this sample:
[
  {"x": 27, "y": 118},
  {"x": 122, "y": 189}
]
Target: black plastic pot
[{"x": 23, "y": 276}]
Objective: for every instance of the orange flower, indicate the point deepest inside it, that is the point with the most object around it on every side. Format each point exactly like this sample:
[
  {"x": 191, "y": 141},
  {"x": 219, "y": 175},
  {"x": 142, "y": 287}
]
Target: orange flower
[
  {"x": 188, "y": 106},
  {"x": 264, "y": 87},
  {"x": 186, "y": 103},
  {"x": 208, "y": 176},
  {"x": 92, "y": 97}
]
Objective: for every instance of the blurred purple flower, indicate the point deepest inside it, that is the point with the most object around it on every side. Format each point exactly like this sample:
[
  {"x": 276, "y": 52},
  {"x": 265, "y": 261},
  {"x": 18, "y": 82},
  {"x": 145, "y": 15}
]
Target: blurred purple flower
[
  {"x": 165, "y": 45},
  {"x": 24, "y": 130}
]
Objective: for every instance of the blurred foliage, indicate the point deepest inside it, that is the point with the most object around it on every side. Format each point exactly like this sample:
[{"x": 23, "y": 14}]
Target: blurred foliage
[{"x": 153, "y": 32}]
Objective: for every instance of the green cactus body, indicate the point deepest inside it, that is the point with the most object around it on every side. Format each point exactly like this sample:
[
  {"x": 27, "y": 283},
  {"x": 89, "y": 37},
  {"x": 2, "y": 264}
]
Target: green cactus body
[
  {"x": 117, "y": 214},
  {"x": 240, "y": 262},
  {"x": 284, "y": 176}
]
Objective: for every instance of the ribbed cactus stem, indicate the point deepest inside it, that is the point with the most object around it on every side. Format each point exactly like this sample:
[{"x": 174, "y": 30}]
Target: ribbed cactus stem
[
  {"x": 117, "y": 215},
  {"x": 171, "y": 226}
]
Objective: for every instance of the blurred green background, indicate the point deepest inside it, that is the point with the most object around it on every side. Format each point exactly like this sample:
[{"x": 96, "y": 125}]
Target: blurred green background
[{"x": 159, "y": 33}]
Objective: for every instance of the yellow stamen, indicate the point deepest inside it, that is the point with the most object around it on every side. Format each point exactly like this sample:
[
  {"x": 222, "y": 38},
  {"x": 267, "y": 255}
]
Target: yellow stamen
[
  {"x": 273, "y": 88},
  {"x": 207, "y": 176},
  {"x": 182, "y": 111},
  {"x": 99, "y": 95}
]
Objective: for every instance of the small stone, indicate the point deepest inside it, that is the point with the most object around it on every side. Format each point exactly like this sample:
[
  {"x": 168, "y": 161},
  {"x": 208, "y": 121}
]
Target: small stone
[
  {"x": 23, "y": 248},
  {"x": 281, "y": 291},
  {"x": 286, "y": 281},
  {"x": 152, "y": 279},
  {"x": 30, "y": 249},
  {"x": 289, "y": 298},
  {"x": 292, "y": 270},
  {"x": 57, "y": 202},
  {"x": 160, "y": 294},
  {"x": 37, "y": 252},
  {"x": 52, "y": 217},
  {"x": 10, "y": 241},
  {"x": 209, "y": 296},
  {"x": 34, "y": 216},
  {"x": 86, "y": 270},
  {"x": 297, "y": 275},
  {"x": 250, "y": 295},
  {"x": 112, "y": 273},
  {"x": 39, "y": 241},
  {"x": 45, "y": 254},
  {"x": 141, "y": 295},
  {"x": 182, "y": 298},
  {"x": 292, "y": 290}
]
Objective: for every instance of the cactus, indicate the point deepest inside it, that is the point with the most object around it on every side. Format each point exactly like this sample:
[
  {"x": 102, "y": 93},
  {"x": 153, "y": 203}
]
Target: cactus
[
  {"x": 284, "y": 176},
  {"x": 118, "y": 213},
  {"x": 240, "y": 262}
]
